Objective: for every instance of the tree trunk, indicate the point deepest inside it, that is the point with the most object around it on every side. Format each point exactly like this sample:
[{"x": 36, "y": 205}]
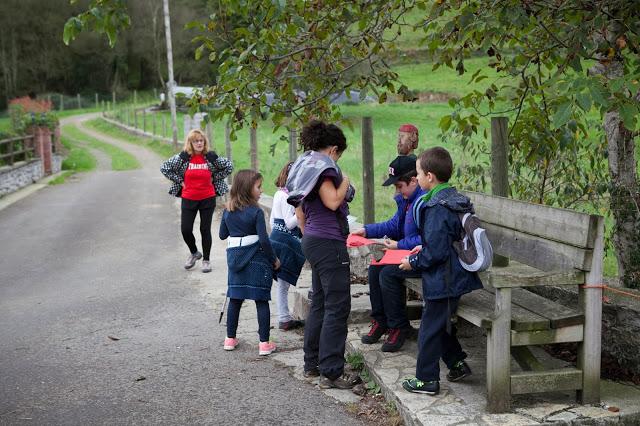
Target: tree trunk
[
  {"x": 624, "y": 190},
  {"x": 625, "y": 199}
]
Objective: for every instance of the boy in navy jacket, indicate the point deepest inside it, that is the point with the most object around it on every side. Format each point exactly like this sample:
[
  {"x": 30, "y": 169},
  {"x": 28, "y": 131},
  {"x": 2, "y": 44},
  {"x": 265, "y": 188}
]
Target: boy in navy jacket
[
  {"x": 443, "y": 278},
  {"x": 386, "y": 289}
]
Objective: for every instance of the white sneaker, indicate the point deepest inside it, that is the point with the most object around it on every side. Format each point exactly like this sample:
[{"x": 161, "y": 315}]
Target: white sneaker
[
  {"x": 191, "y": 260},
  {"x": 206, "y": 266}
]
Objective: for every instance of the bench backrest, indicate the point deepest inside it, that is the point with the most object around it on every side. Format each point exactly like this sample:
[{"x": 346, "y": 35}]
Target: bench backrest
[{"x": 544, "y": 237}]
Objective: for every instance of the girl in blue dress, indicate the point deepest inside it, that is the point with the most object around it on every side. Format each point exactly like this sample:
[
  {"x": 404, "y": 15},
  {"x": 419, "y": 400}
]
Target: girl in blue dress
[{"x": 250, "y": 257}]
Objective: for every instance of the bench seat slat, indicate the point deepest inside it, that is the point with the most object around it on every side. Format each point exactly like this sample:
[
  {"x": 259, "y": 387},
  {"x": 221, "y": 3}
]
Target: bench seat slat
[
  {"x": 521, "y": 275},
  {"x": 558, "y": 315},
  {"x": 483, "y": 301}
]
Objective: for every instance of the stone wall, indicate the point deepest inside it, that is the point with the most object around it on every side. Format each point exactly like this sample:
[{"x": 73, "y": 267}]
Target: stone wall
[
  {"x": 19, "y": 175},
  {"x": 56, "y": 163}
]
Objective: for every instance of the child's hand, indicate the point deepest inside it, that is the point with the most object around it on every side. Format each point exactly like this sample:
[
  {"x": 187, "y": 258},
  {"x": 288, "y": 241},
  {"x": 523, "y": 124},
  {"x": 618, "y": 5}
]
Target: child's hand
[
  {"x": 416, "y": 249},
  {"x": 390, "y": 244},
  {"x": 276, "y": 264},
  {"x": 404, "y": 264},
  {"x": 361, "y": 232}
]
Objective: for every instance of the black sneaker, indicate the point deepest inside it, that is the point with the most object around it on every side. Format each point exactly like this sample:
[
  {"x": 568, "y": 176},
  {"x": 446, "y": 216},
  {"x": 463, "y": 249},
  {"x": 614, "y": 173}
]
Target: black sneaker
[
  {"x": 418, "y": 386},
  {"x": 375, "y": 333},
  {"x": 290, "y": 325},
  {"x": 460, "y": 370},
  {"x": 314, "y": 372},
  {"x": 395, "y": 339},
  {"x": 346, "y": 381}
]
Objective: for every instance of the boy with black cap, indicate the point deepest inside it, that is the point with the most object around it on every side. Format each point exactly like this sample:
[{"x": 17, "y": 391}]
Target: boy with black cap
[{"x": 386, "y": 289}]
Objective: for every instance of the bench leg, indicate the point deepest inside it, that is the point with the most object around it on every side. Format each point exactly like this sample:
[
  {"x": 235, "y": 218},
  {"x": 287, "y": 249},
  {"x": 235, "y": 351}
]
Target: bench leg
[
  {"x": 499, "y": 355},
  {"x": 589, "y": 350},
  {"x": 591, "y": 304}
]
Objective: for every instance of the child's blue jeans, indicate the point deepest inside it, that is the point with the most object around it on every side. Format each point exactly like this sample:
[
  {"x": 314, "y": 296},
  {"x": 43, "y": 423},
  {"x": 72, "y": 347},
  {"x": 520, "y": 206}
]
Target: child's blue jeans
[{"x": 434, "y": 342}]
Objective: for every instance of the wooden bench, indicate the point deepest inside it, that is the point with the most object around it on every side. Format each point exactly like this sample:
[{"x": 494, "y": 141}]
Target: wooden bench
[{"x": 547, "y": 246}]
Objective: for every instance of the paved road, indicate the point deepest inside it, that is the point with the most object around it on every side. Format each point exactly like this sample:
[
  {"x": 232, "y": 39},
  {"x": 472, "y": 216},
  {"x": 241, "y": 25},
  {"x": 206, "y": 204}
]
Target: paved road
[{"x": 100, "y": 257}]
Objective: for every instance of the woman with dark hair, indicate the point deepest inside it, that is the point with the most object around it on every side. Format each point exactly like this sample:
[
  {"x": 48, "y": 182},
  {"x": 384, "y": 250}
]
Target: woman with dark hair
[{"x": 320, "y": 192}]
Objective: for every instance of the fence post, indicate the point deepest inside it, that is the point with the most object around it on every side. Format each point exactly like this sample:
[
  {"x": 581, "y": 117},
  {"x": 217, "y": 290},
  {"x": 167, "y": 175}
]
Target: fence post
[
  {"x": 113, "y": 98},
  {"x": 153, "y": 124},
  {"x": 79, "y": 102},
  {"x": 253, "y": 149},
  {"x": 144, "y": 120},
  {"x": 293, "y": 142},
  {"x": 135, "y": 97},
  {"x": 97, "y": 102},
  {"x": 135, "y": 117},
  {"x": 367, "y": 170},
  {"x": 164, "y": 126},
  {"x": 61, "y": 102},
  {"x": 500, "y": 167}
]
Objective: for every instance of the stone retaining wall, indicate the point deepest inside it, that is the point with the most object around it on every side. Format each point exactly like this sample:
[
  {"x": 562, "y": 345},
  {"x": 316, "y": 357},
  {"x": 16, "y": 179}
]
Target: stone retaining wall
[{"x": 19, "y": 175}]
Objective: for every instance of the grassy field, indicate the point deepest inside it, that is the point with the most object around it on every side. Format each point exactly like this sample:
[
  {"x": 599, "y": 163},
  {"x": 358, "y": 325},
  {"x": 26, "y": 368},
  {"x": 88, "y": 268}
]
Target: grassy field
[{"x": 120, "y": 159}]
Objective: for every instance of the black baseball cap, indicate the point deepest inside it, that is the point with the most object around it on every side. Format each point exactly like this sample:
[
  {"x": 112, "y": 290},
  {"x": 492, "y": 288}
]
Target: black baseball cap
[{"x": 400, "y": 166}]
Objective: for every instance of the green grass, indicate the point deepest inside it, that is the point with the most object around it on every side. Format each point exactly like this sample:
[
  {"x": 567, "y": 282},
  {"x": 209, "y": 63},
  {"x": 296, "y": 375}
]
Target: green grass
[
  {"x": 422, "y": 78},
  {"x": 5, "y": 125},
  {"x": 156, "y": 145},
  {"x": 79, "y": 158},
  {"x": 62, "y": 178},
  {"x": 120, "y": 159}
]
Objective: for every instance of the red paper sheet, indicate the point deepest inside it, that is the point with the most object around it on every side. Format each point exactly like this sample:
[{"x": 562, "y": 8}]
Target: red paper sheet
[
  {"x": 357, "y": 241},
  {"x": 392, "y": 257}
]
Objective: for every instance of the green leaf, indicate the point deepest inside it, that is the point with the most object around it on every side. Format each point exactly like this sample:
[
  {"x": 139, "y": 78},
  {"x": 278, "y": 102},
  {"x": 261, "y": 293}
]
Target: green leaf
[
  {"x": 445, "y": 123},
  {"x": 562, "y": 115},
  {"x": 628, "y": 113},
  {"x": 584, "y": 101}
]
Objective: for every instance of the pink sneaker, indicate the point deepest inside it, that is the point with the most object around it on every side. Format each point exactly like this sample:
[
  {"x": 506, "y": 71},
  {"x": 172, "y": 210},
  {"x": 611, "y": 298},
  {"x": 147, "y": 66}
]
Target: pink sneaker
[
  {"x": 230, "y": 343},
  {"x": 266, "y": 348}
]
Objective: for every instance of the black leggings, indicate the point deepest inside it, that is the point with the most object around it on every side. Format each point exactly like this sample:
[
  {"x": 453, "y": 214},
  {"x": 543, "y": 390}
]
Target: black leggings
[{"x": 190, "y": 209}]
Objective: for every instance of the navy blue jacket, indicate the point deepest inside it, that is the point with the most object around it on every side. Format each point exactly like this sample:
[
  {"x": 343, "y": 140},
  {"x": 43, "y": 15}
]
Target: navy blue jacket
[
  {"x": 401, "y": 227},
  {"x": 439, "y": 224}
]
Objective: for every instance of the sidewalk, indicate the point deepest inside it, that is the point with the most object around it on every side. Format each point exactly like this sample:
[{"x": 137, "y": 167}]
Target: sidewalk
[{"x": 463, "y": 403}]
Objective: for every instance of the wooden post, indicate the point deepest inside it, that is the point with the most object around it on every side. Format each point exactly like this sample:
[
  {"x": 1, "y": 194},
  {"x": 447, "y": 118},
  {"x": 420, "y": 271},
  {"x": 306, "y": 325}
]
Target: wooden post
[
  {"x": 97, "y": 102},
  {"x": 135, "y": 97},
  {"x": 367, "y": 170},
  {"x": 293, "y": 144},
  {"x": 253, "y": 142},
  {"x": 500, "y": 167},
  {"x": 153, "y": 124},
  {"x": 144, "y": 119},
  {"x": 79, "y": 101},
  {"x": 113, "y": 98},
  {"x": 135, "y": 117},
  {"x": 499, "y": 355},
  {"x": 61, "y": 103},
  {"x": 590, "y": 300}
]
